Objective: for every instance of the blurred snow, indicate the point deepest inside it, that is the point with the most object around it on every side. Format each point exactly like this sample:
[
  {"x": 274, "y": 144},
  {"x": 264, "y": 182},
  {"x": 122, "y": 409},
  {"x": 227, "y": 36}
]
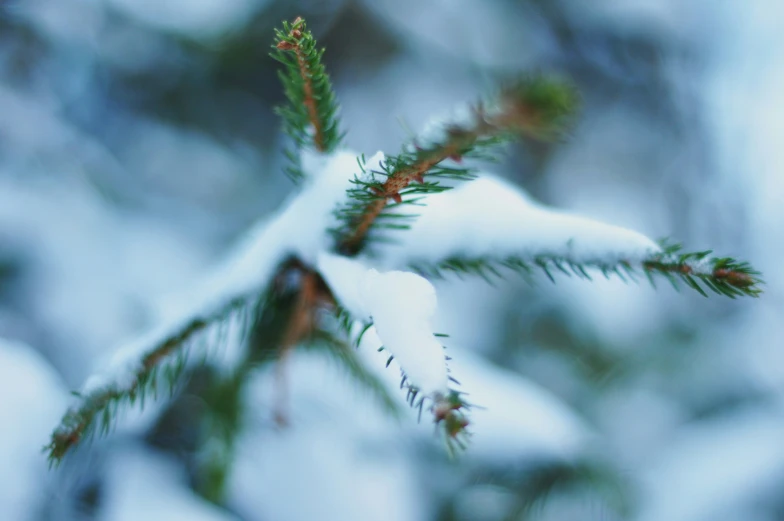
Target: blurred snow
[
  {"x": 433, "y": 86},
  {"x": 340, "y": 457},
  {"x": 194, "y": 18},
  {"x": 295, "y": 475},
  {"x": 32, "y": 397},
  {"x": 716, "y": 467},
  {"x": 515, "y": 419},
  {"x": 491, "y": 33},
  {"x": 144, "y": 485},
  {"x": 116, "y": 277},
  {"x": 660, "y": 18}
]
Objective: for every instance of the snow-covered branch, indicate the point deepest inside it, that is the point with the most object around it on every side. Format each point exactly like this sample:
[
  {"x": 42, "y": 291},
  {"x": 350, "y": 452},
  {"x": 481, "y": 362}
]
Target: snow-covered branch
[
  {"x": 137, "y": 371},
  {"x": 400, "y": 305},
  {"x": 395, "y": 309},
  {"x": 723, "y": 276},
  {"x": 536, "y": 107},
  {"x": 488, "y": 226},
  {"x": 230, "y": 293},
  {"x": 287, "y": 271}
]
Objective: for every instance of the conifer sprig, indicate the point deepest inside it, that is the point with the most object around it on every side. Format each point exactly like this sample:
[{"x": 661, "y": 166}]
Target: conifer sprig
[
  {"x": 450, "y": 414},
  {"x": 163, "y": 364},
  {"x": 697, "y": 270},
  {"x": 537, "y": 107},
  {"x": 722, "y": 275},
  {"x": 450, "y": 411},
  {"x": 310, "y": 117}
]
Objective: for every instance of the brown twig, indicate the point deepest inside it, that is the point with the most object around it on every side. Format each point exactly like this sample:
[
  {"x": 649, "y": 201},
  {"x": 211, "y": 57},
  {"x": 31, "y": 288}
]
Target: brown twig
[
  {"x": 734, "y": 278},
  {"x": 459, "y": 141}
]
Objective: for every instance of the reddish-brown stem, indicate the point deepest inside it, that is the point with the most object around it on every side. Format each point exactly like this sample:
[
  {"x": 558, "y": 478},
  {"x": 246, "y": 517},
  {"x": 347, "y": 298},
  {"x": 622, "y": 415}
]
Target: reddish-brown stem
[
  {"x": 733, "y": 278},
  {"x": 515, "y": 115},
  {"x": 399, "y": 180}
]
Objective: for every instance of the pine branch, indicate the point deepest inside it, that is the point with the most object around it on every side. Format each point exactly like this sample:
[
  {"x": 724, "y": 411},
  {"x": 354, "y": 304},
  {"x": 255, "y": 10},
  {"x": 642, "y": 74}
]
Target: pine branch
[
  {"x": 164, "y": 362},
  {"x": 536, "y": 107},
  {"x": 722, "y": 275},
  {"x": 450, "y": 417},
  {"x": 310, "y": 117},
  {"x": 698, "y": 270},
  {"x": 450, "y": 411}
]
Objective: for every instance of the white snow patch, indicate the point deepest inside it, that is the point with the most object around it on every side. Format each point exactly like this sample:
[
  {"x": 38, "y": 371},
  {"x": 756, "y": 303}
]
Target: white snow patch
[
  {"x": 31, "y": 399},
  {"x": 341, "y": 457},
  {"x": 302, "y": 226},
  {"x": 143, "y": 485},
  {"x": 401, "y": 306},
  {"x": 345, "y": 278},
  {"x": 489, "y": 217},
  {"x": 322, "y": 471}
]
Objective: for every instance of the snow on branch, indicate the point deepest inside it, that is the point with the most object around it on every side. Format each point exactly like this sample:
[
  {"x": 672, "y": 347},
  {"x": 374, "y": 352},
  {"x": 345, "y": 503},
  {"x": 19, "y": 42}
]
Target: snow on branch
[
  {"x": 486, "y": 226},
  {"x": 310, "y": 117},
  {"x": 396, "y": 308},
  {"x": 139, "y": 367},
  {"x": 400, "y": 305},
  {"x": 722, "y": 275},
  {"x": 537, "y": 107},
  {"x": 137, "y": 371}
]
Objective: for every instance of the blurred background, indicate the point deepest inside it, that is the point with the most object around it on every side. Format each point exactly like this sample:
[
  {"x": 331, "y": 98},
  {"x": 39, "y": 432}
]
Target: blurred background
[{"x": 137, "y": 143}]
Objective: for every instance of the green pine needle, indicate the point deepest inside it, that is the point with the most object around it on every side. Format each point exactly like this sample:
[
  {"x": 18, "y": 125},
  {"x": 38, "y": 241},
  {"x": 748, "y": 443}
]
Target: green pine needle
[
  {"x": 698, "y": 270},
  {"x": 160, "y": 371},
  {"x": 536, "y": 107},
  {"x": 450, "y": 412},
  {"x": 310, "y": 116}
]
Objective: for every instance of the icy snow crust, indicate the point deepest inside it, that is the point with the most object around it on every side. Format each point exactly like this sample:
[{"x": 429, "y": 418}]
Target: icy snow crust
[{"x": 483, "y": 218}]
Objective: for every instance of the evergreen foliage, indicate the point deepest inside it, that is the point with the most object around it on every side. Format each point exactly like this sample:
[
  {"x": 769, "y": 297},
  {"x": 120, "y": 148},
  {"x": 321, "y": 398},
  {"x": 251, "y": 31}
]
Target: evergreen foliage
[
  {"x": 723, "y": 276},
  {"x": 538, "y": 107},
  {"x": 160, "y": 370},
  {"x": 310, "y": 116},
  {"x": 298, "y": 308}
]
